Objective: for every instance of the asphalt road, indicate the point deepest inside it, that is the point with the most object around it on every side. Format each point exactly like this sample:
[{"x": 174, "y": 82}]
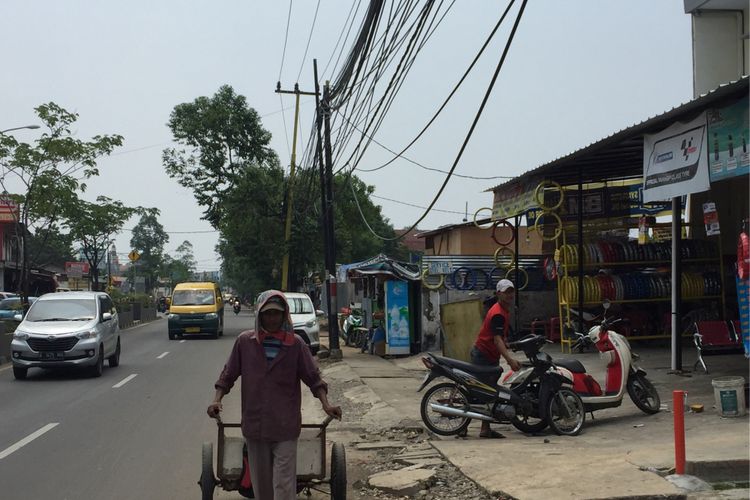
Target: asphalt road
[{"x": 134, "y": 433}]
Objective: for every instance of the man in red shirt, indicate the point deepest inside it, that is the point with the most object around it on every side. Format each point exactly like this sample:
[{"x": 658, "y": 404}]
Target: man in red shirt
[
  {"x": 272, "y": 361},
  {"x": 490, "y": 343}
]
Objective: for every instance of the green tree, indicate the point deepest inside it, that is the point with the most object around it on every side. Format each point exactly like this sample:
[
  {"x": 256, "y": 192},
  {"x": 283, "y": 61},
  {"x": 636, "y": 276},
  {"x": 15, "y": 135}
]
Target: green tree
[
  {"x": 51, "y": 171},
  {"x": 219, "y": 138},
  {"x": 149, "y": 239},
  {"x": 93, "y": 225},
  {"x": 48, "y": 247},
  {"x": 182, "y": 267}
]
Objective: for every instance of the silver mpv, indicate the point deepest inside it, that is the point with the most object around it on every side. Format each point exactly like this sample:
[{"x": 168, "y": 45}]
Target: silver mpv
[{"x": 74, "y": 329}]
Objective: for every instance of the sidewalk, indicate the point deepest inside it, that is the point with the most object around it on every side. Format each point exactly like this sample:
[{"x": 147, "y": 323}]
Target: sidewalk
[{"x": 618, "y": 453}]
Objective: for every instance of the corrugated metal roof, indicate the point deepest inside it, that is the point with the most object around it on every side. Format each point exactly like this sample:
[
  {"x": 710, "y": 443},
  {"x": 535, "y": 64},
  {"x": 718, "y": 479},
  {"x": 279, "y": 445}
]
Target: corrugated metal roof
[{"x": 620, "y": 155}]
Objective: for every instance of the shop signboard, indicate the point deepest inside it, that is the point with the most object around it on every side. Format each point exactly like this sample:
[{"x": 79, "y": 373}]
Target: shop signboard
[
  {"x": 675, "y": 161},
  {"x": 76, "y": 269},
  {"x": 397, "y": 330},
  {"x": 728, "y": 135},
  {"x": 513, "y": 200},
  {"x": 8, "y": 209}
]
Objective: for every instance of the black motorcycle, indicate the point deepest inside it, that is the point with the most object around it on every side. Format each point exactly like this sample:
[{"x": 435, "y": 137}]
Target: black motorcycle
[
  {"x": 236, "y": 307},
  {"x": 535, "y": 397}
]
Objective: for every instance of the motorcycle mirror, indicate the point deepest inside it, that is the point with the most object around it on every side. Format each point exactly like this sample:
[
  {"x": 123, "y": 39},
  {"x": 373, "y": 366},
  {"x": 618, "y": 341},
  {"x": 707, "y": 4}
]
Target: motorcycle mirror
[{"x": 606, "y": 303}]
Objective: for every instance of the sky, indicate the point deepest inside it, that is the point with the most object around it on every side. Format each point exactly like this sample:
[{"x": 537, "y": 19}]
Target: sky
[{"x": 577, "y": 71}]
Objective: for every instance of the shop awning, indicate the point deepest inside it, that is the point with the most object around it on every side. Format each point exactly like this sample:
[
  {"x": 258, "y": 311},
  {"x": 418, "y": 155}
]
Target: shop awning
[
  {"x": 380, "y": 264},
  {"x": 617, "y": 157}
]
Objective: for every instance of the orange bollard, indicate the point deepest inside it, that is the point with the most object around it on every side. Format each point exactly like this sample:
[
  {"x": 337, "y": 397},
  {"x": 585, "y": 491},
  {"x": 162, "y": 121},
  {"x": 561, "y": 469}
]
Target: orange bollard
[{"x": 678, "y": 409}]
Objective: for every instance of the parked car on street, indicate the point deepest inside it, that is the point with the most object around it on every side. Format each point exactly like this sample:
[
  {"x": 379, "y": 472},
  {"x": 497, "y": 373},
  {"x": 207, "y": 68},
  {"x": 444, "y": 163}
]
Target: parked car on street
[
  {"x": 7, "y": 295},
  {"x": 11, "y": 307},
  {"x": 75, "y": 329},
  {"x": 304, "y": 319}
]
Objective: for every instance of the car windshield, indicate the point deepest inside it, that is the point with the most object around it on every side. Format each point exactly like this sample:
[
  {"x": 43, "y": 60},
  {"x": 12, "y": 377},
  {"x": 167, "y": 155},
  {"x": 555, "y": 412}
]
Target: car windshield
[
  {"x": 300, "y": 305},
  {"x": 63, "y": 310},
  {"x": 193, "y": 298},
  {"x": 10, "y": 304}
]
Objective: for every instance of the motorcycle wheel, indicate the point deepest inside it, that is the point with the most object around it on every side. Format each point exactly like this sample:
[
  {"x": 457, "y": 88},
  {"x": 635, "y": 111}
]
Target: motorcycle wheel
[
  {"x": 448, "y": 394},
  {"x": 565, "y": 413},
  {"x": 643, "y": 393},
  {"x": 530, "y": 424}
]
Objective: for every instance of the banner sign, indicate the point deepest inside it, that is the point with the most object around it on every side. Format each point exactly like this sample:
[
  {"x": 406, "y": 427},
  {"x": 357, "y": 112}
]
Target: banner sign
[
  {"x": 8, "y": 209},
  {"x": 675, "y": 161},
  {"x": 513, "y": 200},
  {"x": 728, "y": 135},
  {"x": 602, "y": 203},
  {"x": 398, "y": 335},
  {"x": 76, "y": 269}
]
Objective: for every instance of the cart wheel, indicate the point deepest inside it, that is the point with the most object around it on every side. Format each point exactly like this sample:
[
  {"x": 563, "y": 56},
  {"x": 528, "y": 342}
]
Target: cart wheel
[
  {"x": 338, "y": 472},
  {"x": 207, "y": 481}
]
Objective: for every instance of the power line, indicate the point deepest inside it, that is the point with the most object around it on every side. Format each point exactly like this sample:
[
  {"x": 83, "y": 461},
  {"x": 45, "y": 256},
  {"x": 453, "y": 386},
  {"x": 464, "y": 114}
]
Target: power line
[
  {"x": 183, "y": 232},
  {"x": 315, "y": 17},
  {"x": 416, "y": 206},
  {"x": 286, "y": 37},
  {"x": 478, "y": 114}
]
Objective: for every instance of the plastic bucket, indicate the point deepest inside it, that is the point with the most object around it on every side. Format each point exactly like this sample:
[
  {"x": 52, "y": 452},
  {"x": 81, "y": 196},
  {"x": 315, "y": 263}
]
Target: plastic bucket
[{"x": 729, "y": 394}]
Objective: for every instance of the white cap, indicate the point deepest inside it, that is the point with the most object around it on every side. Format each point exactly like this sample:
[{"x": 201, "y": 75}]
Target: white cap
[{"x": 503, "y": 285}]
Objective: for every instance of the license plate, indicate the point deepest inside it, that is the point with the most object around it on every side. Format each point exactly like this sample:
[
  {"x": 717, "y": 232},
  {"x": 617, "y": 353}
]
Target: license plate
[
  {"x": 52, "y": 355},
  {"x": 193, "y": 329}
]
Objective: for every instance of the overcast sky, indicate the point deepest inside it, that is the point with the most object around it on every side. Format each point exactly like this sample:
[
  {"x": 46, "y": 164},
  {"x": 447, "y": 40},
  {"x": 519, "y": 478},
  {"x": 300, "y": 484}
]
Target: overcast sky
[{"x": 578, "y": 71}]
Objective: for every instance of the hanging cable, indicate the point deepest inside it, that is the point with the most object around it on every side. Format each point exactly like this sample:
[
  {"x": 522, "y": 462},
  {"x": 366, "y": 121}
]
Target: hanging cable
[
  {"x": 304, "y": 57},
  {"x": 466, "y": 140},
  {"x": 286, "y": 37}
]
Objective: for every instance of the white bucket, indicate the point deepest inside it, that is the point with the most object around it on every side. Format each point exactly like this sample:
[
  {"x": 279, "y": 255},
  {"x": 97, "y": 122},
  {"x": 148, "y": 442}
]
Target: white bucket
[{"x": 729, "y": 394}]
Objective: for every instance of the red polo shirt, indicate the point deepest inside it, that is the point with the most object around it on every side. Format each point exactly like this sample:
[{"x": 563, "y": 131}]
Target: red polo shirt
[{"x": 496, "y": 322}]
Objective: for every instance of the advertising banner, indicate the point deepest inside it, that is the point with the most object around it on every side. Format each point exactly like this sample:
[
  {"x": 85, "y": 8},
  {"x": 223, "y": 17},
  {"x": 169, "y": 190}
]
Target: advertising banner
[
  {"x": 728, "y": 131},
  {"x": 397, "y": 333},
  {"x": 76, "y": 269},
  {"x": 675, "y": 161}
]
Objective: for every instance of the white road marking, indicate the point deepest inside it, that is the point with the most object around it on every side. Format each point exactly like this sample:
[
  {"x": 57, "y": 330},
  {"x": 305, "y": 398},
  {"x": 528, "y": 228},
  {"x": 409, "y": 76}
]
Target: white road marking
[
  {"x": 7, "y": 451},
  {"x": 162, "y": 355},
  {"x": 124, "y": 381},
  {"x": 182, "y": 341}
]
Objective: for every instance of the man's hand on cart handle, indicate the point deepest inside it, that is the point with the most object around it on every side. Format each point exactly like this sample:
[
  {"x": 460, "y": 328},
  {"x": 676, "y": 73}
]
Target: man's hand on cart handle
[
  {"x": 332, "y": 411},
  {"x": 214, "y": 409}
]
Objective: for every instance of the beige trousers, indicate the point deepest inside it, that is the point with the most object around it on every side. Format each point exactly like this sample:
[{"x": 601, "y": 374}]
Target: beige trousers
[{"x": 273, "y": 469}]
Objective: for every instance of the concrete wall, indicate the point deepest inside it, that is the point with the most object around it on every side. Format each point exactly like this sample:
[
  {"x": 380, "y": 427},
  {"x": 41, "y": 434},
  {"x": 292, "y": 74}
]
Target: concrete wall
[
  {"x": 471, "y": 240},
  {"x": 720, "y": 53}
]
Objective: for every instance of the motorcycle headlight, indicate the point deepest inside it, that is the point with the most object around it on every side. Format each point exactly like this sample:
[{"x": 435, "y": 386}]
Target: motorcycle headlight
[
  {"x": 212, "y": 316},
  {"x": 311, "y": 323},
  {"x": 17, "y": 335},
  {"x": 173, "y": 316},
  {"x": 88, "y": 334}
]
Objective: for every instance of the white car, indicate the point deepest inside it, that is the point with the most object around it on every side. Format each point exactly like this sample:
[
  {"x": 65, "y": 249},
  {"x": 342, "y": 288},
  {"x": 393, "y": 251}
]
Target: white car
[
  {"x": 304, "y": 319},
  {"x": 61, "y": 330}
]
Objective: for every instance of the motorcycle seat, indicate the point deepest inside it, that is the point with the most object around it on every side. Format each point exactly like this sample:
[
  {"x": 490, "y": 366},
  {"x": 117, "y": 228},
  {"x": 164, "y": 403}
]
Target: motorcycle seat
[
  {"x": 573, "y": 365},
  {"x": 470, "y": 367}
]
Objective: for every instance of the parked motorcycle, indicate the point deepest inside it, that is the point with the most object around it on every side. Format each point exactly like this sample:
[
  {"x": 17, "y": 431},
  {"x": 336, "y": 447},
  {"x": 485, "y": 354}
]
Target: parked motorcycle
[
  {"x": 622, "y": 372},
  {"x": 353, "y": 333},
  {"x": 538, "y": 396},
  {"x": 236, "y": 307}
]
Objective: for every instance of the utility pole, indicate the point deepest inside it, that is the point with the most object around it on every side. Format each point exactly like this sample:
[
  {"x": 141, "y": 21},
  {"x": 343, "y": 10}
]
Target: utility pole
[
  {"x": 290, "y": 186},
  {"x": 323, "y": 114}
]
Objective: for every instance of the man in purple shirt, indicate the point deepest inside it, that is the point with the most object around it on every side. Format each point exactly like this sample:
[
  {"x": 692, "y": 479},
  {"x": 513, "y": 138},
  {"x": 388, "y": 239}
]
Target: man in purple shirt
[{"x": 272, "y": 360}]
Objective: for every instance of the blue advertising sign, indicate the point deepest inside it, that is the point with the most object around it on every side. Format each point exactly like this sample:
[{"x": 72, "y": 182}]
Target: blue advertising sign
[
  {"x": 397, "y": 329},
  {"x": 728, "y": 131}
]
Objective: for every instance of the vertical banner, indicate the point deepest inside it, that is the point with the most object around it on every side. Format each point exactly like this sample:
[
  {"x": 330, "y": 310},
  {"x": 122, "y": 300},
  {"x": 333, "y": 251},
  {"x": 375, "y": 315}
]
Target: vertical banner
[
  {"x": 728, "y": 137},
  {"x": 711, "y": 219},
  {"x": 675, "y": 161},
  {"x": 397, "y": 332}
]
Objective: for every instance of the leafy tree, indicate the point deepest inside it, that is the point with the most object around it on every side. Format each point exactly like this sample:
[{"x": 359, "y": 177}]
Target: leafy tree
[
  {"x": 49, "y": 247},
  {"x": 93, "y": 225},
  {"x": 50, "y": 171},
  {"x": 149, "y": 239},
  {"x": 182, "y": 267},
  {"x": 220, "y": 137}
]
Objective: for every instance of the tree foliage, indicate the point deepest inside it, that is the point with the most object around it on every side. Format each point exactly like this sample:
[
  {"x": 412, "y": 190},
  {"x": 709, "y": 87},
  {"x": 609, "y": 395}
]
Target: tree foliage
[
  {"x": 49, "y": 247},
  {"x": 149, "y": 239},
  {"x": 183, "y": 266},
  {"x": 93, "y": 225},
  {"x": 220, "y": 137},
  {"x": 50, "y": 171}
]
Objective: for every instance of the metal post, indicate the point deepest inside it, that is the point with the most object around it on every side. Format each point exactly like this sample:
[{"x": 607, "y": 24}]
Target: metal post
[
  {"x": 678, "y": 410},
  {"x": 581, "y": 290},
  {"x": 333, "y": 325},
  {"x": 517, "y": 276}
]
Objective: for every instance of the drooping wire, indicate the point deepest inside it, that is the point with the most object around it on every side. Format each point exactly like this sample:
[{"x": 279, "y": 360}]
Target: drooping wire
[
  {"x": 312, "y": 28},
  {"x": 286, "y": 37},
  {"x": 465, "y": 143}
]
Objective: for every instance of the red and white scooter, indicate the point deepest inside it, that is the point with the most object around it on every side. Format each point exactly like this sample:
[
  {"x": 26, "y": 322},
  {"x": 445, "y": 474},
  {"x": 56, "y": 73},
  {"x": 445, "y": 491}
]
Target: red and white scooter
[{"x": 622, "y": 372}]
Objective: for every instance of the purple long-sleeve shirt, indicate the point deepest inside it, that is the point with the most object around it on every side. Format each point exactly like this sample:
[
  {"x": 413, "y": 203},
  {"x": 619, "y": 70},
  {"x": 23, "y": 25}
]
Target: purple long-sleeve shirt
[{"x": 271, "y": 396}]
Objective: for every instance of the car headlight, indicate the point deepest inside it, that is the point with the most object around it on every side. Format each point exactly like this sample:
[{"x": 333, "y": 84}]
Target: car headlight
[
  {"x": 311, "y": 323},
  {"x": 212, "y": 316},
  {"x": 20, "y": 335},
  {"x": 88, "y": 334},
  {"x": 173, "y": 316}
]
